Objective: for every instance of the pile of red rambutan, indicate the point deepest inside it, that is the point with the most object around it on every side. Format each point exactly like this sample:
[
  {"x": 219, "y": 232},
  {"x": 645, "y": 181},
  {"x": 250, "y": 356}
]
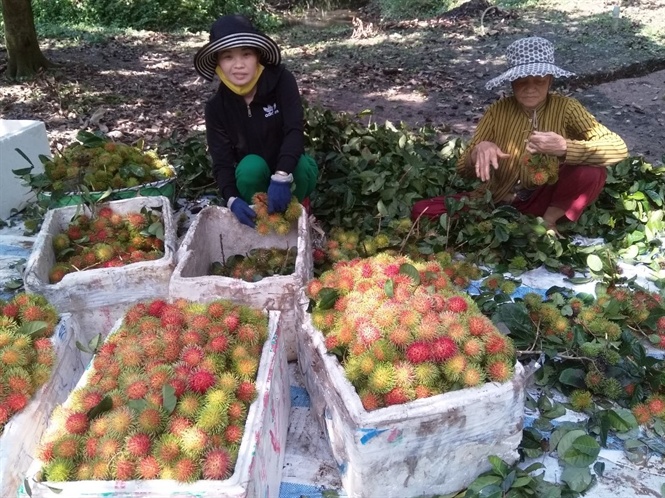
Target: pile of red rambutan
[
  {"x": 26, "y": 352},
  {"x": 404, "y": 332},
  {"x": 105, "y": 241},
  {"x": 166, "y": 398}
]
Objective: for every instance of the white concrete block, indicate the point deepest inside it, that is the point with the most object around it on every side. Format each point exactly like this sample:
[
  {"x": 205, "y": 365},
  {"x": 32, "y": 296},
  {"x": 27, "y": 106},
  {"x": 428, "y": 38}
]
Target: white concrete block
[{"x": 30, "y": 137}]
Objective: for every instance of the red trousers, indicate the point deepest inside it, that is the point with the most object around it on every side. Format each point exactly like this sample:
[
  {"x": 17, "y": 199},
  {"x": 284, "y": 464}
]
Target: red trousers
[{"x": 578, "y": 187}]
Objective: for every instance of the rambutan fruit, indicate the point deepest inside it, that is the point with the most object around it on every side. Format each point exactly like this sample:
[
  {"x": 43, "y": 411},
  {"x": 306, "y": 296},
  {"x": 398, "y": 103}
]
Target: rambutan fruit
[
  {"x": 77, "y": 423},
  {"x": 44, "y": 451},
  {"x": 216, "y": 310},
  {"x": 192, "y": 337},
  {"x": 193, "y": 441},
  {"x": 227, "y": 381},
  {"x": 457, "y": 332},
  {"x": 67, "y": 447},
  {"x": 499, "y": 370},
  {"x": 400, "y": 336},
  {"x": 216, "y": 464},
  {"x": 398, "y": 396},
  {"x": 656, "y": 404},
  {"x": 129, "y": 355},
  {"x": 150, "y": 420},
  {"x": 212, "y": 418},
  {"x": 120, "y": 421},
  {"x": 454, "y": 367},
  {"x": 32, "y": 314},
  {"x": 456, "y": 304},
  {"x": 136, "y": 221},
  {"x": 236, "y": 411},
  {"x": 148, "y": 468},
  {"x": 249, "y": 334},
  {"x": 246, "y": 391},
  {"x": 593, "y": 380},
  {"x": 233, "y": 434},
  {"x": 232, "y": 320},
  {"x": 420, "y": 391},
  {"x": 189, "y": 404},
  {"x": 172, "y": 317},
  {"x": 474, "y": 348},
  {"x": 498, "y": 344},
  {"x": 59, "y": 470},
  {"x": 167, "y": 449},
  {"x": 11, "y": 356},
  {"x": 642, "y": 413},
  {"x": 138, "y": 444},
  {"x": 382, "y": 379},
  {"x": 441, "y": 349},
  {"x": 124, "y": 468},
  {"x": 192, "y": 355},
  {"x": 18, "y": 380},
  {"x": 177, "y": 424},
  {"x": 159, "y": 376},
  {"x": 201, "y": 380},
  {"x": 16, "y": 401},
  {"x": 419, "y": 352},
  {"x": 370, "y": 400},
  {"x": 137, "y": 389},
  {"x": 581, "y": 400}
]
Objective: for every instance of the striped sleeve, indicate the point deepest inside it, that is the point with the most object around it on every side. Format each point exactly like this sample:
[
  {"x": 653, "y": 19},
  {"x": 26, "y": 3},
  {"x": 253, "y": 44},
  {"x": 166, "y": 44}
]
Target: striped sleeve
[
  {"x": 590, "y": 142},
  {"x": 484, "y": 131}
]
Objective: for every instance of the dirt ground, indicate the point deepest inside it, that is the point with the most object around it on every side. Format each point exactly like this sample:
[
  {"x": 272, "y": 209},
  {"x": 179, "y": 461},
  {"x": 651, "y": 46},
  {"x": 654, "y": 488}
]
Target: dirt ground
[{"x": 143, "y": 85}]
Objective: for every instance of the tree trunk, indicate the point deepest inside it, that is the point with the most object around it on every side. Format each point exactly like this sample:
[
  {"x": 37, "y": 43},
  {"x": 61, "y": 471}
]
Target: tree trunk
[{"x": 24, "y": 55}]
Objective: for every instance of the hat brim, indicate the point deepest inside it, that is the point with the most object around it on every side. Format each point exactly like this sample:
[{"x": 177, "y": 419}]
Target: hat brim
[
  {"x": 205, "y": 60},
  {"x": 524, "y": 70}
]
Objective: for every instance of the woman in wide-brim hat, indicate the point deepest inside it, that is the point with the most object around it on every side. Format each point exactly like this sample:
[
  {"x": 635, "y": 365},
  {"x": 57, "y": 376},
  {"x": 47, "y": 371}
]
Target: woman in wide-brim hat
[
  {"x": 541, "y": 152},
  {"x": 254, "y": 122}
]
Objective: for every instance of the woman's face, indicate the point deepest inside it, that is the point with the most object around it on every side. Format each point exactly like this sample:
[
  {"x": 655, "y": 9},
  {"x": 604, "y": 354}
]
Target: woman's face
[
  {"x": 531, "y": 91},
  {"x": 238, "y": 64}
]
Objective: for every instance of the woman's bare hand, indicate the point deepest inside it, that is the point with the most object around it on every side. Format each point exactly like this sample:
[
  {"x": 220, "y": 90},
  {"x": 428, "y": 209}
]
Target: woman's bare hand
[{"x": 485, "y": 156}]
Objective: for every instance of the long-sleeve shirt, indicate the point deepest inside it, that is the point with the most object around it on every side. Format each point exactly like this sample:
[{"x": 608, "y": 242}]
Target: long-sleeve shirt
[
  {"x": 508, "y": 126},
  {"x": 270, "y": 127}
]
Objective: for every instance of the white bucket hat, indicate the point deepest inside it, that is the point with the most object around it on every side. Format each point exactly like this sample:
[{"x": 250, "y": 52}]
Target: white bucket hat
[
  {"x": 533, "y": 56},
  {"x": 233, "y": 31}
]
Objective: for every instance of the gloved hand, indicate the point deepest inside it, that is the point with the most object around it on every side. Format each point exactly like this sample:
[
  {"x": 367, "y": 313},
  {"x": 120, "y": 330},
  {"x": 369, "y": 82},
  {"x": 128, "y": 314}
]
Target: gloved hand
[
  {"x": 243, "y": 212},
  {"x": 279, "y": 192}
]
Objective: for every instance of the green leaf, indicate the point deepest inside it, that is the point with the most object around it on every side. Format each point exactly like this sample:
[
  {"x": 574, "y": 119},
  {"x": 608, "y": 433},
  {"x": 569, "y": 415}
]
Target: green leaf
[
  {"x": 169, "y": 398},
  {"x": 389, "y": 287},
  {"x": 157, "y": 229},
  {"x": 137, "y": 405},
  {"x": 594, "y": 263},
  {"x": 30, "y": 328},
  {"x": 567, "y": 440},
  {"x": 106, "y": 194},
  {"x": 491, "y": 492},
  {"x": 599, "y": 468},
  {"x": 26, "y": 485},
  {"x": 103, "y": 406},
  {"x": 327, "y": 298},
  {"x": 94, "y": 343},
  {"x": 411, "y": 271},
  {"x": 499, "y": 466},
  {"x": 578, "y": 479},
  {"x": 573, "y": 377},
  {"x": 582, "y": 453}
]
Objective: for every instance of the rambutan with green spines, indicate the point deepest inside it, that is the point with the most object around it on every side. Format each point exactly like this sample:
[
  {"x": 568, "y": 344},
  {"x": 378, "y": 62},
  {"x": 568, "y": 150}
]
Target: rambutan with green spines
[
  {"x": 399, "y": 395},
  {"x": 17, "y": 379},
  {"x": 473, "y": 348},
  {"x": 138, "y": 444},
  {"x": 130, "y": 355},
  {"x": 120, "y": 421},
  {"x": 498, "y": 344},
  {"x": 189, "y": 404},
  {"x": 594, "y": 379},
  {"x": 151, "y": 420},
  {"x": 473, "y": 375},
  {"x": 458, "y": 332},
  {"x": 227, "y": 381},
  {"x": 192, "y": 355},
  {"x": 581, "y": 400},
  {"x": 166, "y": 449},
  {"x": 59, "y": 470},
  {"x": 642, "y": 414},
  {"x": 148, "y": 468},
  {"x": 77, "y": 423},
  {"x": 16, "y": 402},
  {"x": 67, "y": 446},
  {"x": 383, "y": 350},
  {"x": 454, "y": 367},
  {"x": 611, "y": 388},
  {"x": 193, "y": 441},
  {"x": 12, "y": 356},
  {"x": 123, "y": 468},
  {"x": 383, "y": 378},
  {"x": 137, "y": 389}
]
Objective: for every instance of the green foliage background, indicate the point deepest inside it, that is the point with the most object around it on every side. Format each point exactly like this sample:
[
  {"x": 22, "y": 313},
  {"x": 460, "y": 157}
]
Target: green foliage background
[{"x": 157, "y": 15}]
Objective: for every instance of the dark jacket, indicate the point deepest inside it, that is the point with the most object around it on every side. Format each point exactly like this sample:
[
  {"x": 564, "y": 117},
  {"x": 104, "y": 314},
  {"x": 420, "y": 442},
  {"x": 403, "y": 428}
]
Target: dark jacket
[{"x": 271, "y": 127}]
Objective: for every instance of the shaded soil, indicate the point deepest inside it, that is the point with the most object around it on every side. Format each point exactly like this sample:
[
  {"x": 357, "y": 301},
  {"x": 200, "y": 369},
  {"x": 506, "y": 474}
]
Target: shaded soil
[{"x": 420, "y": 72}]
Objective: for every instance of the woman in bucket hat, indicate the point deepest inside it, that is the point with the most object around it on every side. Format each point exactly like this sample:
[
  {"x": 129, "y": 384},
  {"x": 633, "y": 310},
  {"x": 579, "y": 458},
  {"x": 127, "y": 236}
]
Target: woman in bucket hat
[
  {"x": 254, "y": 122},
  {"x": 543, "y": 153}
]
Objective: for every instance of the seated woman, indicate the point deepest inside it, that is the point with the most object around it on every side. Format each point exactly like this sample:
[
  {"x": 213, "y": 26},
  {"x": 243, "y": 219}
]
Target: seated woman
[
  {"x": 254, "y": 123},
  {"x": 540, "y": 152}
]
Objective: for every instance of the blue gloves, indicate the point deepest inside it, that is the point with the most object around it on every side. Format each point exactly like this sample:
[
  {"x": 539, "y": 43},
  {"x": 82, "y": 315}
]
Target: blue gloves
[
  {"x": 243, "y": 212},
  {"x": 279, "y": 192}
]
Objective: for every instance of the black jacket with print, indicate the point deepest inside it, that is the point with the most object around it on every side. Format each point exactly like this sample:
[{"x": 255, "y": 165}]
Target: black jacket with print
[{"x": 271, "y": 127}]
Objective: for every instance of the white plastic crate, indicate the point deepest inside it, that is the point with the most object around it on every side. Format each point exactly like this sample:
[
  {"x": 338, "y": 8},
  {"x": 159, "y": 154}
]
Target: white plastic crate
[
  {"x": 29, "y": 137},
  {"x": 202, "y": 246},
  {"x": 98, "y": 297},
  {"x": 258, "y": 470},
  {"x": 20, "y": 439},
  {"x": 426, "y": 447}
]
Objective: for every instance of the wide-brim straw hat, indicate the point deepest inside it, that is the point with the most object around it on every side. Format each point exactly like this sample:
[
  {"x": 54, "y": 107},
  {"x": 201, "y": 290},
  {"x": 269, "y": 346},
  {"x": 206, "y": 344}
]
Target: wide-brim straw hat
[
  {"x": 234, "y": 31},
  {"x": 533, "y": 56}
]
